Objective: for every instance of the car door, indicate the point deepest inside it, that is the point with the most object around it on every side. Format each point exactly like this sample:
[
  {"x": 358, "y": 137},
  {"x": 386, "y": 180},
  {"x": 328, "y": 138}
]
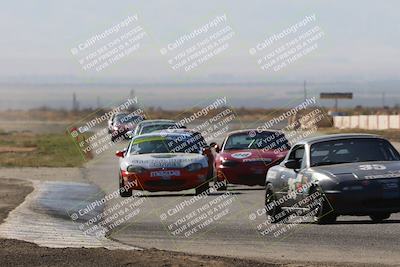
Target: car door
[{"x": 289, "y": 178}]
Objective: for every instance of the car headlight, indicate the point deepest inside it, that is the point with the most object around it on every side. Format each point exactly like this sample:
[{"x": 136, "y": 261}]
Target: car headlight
[
  {"x": 135, "y": 169},
  {"x": 194, "y": 167},
  {"x": 229, "y": 163}
]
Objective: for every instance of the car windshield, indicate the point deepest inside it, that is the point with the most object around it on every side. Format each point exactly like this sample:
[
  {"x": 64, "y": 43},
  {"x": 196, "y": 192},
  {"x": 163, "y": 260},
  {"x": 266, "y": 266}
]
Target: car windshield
[
  {"x": 256, "y": 140},
  {"x": 169, "y": 144},
  {"x": 118, "y": 117},
  {"x": 156, "y": 127},
  {"x": 352, "y": 150},
  {"x": 129, "y": 118}
]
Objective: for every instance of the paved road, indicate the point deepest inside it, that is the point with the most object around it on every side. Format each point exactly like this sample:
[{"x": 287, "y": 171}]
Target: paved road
[{"x": 220, "y": 224}]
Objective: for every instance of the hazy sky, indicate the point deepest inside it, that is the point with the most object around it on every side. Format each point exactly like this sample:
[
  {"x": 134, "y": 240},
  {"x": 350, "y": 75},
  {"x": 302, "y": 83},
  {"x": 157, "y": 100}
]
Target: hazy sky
[{"x": 361, "y": 39}]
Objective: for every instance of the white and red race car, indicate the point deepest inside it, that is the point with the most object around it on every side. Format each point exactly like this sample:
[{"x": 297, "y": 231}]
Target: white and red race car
[{"x": 165, "y": 162}]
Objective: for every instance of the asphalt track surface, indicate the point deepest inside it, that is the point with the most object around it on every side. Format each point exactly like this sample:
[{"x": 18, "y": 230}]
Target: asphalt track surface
[{"x": 230, "y": 225}]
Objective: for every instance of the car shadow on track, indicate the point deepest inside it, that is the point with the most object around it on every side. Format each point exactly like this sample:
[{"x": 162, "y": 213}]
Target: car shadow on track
[
  {"x": 187, "y": 195},
  {"x": 246, "y": 189},
  {"x": 367, "y": 222},
  {"x": 348, "y": 222}
]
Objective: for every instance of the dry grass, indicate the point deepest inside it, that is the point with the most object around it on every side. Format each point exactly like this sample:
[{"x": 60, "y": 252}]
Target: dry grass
[{"x": 33, "y": 150}]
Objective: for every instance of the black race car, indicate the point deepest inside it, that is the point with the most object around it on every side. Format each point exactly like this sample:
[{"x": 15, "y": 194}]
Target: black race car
[{"x": 354, "y": 174}]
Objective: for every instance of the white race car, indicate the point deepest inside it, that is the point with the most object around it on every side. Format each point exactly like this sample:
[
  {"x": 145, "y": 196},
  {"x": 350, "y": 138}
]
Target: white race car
[{"x": 165, "y": 162}]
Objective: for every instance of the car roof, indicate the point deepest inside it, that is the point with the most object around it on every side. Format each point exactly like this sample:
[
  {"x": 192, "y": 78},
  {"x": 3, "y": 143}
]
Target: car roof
[
  {"x": 163, "y": 134},
  {"x": 120, "y": 114},
  {"x": 159, "y": 123},
  {"x": 155, "y": 121},
  {"x": 178, "y": 130},
  {"x": 255, "y": 130},
  {"x": 332, "y": 137}
]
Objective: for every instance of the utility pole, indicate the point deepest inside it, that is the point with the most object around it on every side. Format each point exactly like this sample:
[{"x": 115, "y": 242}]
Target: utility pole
[
  {"x": 132, "y": 96},
  {"x": 75, "y": 103},
  {"x": 98, "y": 101}
]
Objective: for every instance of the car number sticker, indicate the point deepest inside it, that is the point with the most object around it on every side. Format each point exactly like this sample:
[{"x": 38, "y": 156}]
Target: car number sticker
[
  {"x": 390, "y": 186},
  {"x": 165, "y": 173},
  {"x": 241, "y": 155},
  {"x": 369, "y": 167}
]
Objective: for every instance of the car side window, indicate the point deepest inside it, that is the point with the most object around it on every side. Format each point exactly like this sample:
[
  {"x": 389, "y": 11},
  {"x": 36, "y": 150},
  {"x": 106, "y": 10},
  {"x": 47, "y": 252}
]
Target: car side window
[{"x": 298, "y": 153}]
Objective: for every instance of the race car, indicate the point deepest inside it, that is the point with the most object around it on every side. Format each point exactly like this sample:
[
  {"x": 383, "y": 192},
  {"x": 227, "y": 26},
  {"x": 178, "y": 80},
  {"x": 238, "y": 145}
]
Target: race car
[
  {"x": 164, "y": 162},
  {"x": 354, "y": 174},
  {"x": 149, "y": 126},
  {"x": 124, "y": 123},
  {"x": 112, "y": 119},
  {"x": 246, "y": 155}
]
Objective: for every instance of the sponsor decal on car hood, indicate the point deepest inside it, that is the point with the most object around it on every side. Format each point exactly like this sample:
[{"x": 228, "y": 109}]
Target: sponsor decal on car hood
[
  {"x": 164, "y": 160},
  {"x": 252, "y": 155}
]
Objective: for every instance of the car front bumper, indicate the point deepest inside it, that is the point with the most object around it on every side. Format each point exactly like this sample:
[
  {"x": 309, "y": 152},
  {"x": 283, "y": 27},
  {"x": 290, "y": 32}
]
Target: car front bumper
[
  {"x": 186, "y": 180},
  {"x": 363, "y": 203},
  {"x": 243, "y": 174}
]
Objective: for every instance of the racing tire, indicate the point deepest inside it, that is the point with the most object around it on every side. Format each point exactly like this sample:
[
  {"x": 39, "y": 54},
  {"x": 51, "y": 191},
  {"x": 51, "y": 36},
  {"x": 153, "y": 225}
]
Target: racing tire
[
  {"x": 122, "y": 191},
  {"x": 379, "y": 217},
  {"x": 202, "y": 188},
  {"x": 223, "y": 187},
  {"x": 270, "y": 197},
  {"x": 323, "y": 213}
]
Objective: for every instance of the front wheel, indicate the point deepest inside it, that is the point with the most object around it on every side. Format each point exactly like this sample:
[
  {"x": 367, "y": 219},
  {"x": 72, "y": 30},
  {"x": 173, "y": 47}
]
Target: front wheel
[
  {"x": 324, "y": 214},
  {"x": 202, "y": 188},
  {"x": 379, "y": 217},
  {"x": 222, "y": 185},
  {"x": 122, "y": 191}
]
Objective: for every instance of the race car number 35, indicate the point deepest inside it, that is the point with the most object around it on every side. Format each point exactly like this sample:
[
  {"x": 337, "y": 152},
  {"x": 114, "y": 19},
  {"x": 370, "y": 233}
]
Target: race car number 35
[{"x": 369, "y": 167}]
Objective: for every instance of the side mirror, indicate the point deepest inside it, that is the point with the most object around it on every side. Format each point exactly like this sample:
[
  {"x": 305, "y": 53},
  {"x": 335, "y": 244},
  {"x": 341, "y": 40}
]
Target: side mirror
[
  {"x": 293, "y": 164},
  {"x": 215, "y": 146},
  {"x": 120, "y": 154},
  {"x": 130, "y": 134},
  {"x": 206, "y": 150}
]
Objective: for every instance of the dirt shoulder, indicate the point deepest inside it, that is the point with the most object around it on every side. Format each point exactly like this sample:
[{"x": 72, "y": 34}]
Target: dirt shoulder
[
  {"x": 12, "y": 193},
  {"x": 18, "y": 253}
]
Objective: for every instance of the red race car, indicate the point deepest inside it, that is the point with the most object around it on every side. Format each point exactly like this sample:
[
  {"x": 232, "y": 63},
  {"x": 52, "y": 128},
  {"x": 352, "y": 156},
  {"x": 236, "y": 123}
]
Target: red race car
[{"x": 246, "y": 155}]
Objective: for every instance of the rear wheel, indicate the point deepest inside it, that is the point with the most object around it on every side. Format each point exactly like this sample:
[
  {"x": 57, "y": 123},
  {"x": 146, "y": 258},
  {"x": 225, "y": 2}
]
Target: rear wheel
[
  {"x": 202, "y": 188},
  {"x": 378, "y": 217},
  {"x": 122, "y": 191}
]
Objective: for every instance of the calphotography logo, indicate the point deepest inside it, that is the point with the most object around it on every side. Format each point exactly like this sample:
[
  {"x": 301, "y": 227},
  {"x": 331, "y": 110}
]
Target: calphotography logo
[
  {"x": 111, "y": 45},
  {"x": 291, "y": 44},
  {"x": 199, "y": 46}
]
